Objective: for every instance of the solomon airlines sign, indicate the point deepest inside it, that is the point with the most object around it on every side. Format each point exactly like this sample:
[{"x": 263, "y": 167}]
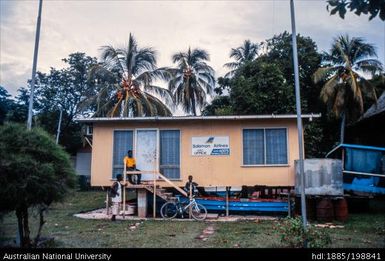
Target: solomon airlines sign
[{"x": 210, "y": 145}]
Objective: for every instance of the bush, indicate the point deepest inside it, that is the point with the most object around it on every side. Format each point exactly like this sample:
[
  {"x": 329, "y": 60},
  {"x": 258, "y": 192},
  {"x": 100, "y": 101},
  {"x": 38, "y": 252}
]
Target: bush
[
  {"x": 34, "y": 172},
  {"x": 292, "y": 234}
]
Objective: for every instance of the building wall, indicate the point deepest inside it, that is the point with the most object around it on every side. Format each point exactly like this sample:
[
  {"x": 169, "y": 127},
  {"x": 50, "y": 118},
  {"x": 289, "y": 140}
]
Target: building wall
[
  {"x": 207, "y": 170},
  {"x": 83, "y": 163}
]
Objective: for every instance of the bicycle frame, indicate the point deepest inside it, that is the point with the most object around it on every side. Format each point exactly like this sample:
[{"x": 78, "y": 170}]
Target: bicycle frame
[{"x": 182, "y": 209}]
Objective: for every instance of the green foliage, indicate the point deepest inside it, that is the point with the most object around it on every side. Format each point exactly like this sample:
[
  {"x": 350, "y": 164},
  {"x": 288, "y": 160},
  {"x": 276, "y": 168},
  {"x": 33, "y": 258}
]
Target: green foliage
[
  {"x": 313, "y": 135},
  {"x": 192, "y": 79},
  {"x": 34, "y": 170},
  {"x": 292, "y": 234},
  {"x": 261, "y": 88},
  {"x": 125, "y": 83},
  {"x": 280, "y": 52},
  {"x": 372, "y": 7},
  {"x": 242, "y": 54},
  {"x": 220, "y": 105},
  {"x": 59, "y": 89},
  {"x": 344, "y": 85},
  {"x": 4, "y": 103}
]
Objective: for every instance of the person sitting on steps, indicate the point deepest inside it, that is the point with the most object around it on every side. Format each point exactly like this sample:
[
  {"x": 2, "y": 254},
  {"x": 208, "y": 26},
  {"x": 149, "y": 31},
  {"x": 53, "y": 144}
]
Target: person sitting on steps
[
  {"x": 193, "y": 185},
  {"x": 130, "y": 162}
]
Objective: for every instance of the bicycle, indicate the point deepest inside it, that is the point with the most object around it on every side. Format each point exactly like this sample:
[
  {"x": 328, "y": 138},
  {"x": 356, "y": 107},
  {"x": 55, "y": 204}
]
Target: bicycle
[{"x": 170, "y": 209}]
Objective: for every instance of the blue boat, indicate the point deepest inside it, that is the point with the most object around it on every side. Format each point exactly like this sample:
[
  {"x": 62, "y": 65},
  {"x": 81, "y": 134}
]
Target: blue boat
[{"x": 218, "y": 204}]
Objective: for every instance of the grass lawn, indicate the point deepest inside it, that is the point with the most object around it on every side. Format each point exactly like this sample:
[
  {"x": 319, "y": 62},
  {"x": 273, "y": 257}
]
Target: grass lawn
[{"x": 361, "y": 230}]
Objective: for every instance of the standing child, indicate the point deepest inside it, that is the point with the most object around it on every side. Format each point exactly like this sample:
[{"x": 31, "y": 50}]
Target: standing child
[{"x": 116, "y": 196}]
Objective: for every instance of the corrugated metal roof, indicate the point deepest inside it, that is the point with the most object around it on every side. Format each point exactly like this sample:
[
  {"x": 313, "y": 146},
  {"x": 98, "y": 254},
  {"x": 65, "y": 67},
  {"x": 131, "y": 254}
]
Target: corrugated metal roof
[
  {"x": 354, "y": 146},
  {"x": 376, "y": 108},
  {"x": 197, "y": 118}
]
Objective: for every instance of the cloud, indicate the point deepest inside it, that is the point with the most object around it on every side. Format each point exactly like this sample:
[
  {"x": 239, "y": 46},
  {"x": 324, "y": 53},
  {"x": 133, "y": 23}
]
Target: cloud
[{"x": 168, "y": 26}]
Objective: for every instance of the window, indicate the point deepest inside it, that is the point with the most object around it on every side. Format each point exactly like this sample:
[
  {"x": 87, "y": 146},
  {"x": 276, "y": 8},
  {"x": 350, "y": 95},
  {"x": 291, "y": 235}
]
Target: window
[
  {"x": 264, "y": 146},
  {"x": 89, "y": 130},
  {"x": 170, "y": 153},
  {"x": 123, "y": 141}
]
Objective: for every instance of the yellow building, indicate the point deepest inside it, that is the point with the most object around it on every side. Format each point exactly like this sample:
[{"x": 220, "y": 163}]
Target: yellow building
[{"x": 216, "y": 150}]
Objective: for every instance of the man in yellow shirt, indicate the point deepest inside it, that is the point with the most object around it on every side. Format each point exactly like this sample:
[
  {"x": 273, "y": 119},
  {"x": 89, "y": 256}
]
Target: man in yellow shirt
[{"x": 131, "y": 166}]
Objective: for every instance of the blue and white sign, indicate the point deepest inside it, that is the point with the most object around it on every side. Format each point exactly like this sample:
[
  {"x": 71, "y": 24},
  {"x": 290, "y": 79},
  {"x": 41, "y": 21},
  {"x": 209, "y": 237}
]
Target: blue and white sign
[{"x": 210, "y": 146}]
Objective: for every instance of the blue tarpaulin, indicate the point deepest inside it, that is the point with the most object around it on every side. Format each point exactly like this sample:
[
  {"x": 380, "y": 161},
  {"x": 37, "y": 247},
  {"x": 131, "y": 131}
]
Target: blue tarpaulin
[{"x": 361, "y": 160}]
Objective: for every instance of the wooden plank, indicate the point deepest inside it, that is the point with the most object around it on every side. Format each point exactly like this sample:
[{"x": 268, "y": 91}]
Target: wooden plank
[
  {"x": 142, "y": 203},
  {"x": 191, "y": 196},
  {"x": 107, "y": 204},
  {"x": 124, "y": 190},
  {"x": 227, "y": 202},
  {"x": 172, "y": 184},
  {"x": 141, "y": 172},
  {"x": 154, "y": 199}
]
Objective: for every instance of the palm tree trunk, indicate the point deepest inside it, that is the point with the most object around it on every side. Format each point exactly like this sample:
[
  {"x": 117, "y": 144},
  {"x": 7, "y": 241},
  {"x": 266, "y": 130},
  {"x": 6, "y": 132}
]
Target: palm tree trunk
[
  {"x": 342, "y": 131},
  {"x": 193, "y": 105}
]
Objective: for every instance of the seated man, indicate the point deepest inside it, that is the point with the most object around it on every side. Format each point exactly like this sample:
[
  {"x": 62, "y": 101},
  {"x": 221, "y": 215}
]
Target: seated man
[
  {"x": 193, "y": 185},
  {"x": 131, "y": 166}
]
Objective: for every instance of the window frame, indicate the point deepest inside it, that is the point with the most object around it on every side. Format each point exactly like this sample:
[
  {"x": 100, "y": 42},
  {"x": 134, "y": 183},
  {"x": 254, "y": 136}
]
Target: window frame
[
  {"x": 113, "y": 148},
  {"x": 180, "y": 152},
  {"x": 264, "y": 153}
]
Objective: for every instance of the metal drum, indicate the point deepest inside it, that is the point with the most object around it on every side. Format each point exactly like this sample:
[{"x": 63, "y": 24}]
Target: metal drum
[
  {"x": 325, "y": 210},
  {"x": 341, "y": 210}
]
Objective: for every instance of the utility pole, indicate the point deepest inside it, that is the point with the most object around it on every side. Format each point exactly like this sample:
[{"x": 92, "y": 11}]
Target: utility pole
[
  {"x": 58, "y": 126},
  {"x": 299, "y": 117},
  {"x": 35, "y": 53}
]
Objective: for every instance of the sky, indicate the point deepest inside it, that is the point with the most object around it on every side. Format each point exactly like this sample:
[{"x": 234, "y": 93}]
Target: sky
[{"x": 169, "y": 26}]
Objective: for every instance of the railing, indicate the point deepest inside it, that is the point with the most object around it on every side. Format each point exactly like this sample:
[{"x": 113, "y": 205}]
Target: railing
[{"x": 156, "y": 176}]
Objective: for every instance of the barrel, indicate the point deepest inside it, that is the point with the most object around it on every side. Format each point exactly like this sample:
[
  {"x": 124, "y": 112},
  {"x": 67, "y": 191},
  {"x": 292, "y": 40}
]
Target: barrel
[
  {"x": 341, "y": 210},
  {"x": 325, "y": 210},
  {"x": 310, "y": 207}
]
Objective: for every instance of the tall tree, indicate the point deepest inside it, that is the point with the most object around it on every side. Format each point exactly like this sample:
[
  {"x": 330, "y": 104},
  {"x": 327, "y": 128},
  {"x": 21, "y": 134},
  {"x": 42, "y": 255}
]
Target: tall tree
[
  {"x": 125, "y": 80},
  {"x": 280, "y": 52},
  {"x": 242, "y": 54},
  {"x": 18, "y": 110},
  {"x": 193, "y": 79},
  {"x": 55, "y": 91},
  {"x": 372, "y": 7},
  {"x": 5, "y": 104},
  {"x": 260, "y": 88},
  {"x": 35, "y": 172},
  {"x": 343, "y": 83}
]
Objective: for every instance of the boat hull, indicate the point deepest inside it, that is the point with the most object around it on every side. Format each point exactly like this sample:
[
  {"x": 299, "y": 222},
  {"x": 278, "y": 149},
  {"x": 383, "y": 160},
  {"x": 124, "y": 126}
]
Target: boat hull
[{"x": 247, "y": 205}]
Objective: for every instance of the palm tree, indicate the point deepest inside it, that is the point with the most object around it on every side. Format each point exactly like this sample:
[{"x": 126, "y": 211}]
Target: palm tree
[
  {"x": 245, "y": 53},
  {"x": 193, "y": 79},
  {"x": 344, "y": 85},
  {"x": 124, "y": 80}
]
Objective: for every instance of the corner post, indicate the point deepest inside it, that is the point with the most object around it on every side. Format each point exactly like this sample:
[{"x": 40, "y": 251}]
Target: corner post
[{"x": 124, "y": 189}]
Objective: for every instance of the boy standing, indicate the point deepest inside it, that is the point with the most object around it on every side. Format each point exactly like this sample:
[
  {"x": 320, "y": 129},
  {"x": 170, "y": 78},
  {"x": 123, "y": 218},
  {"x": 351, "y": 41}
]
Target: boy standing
[{"x": 116, "y": 196}]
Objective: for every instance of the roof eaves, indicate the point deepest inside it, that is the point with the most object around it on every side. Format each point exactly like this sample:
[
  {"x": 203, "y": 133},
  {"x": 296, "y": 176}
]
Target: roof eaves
[{"x": 182, "y": 118}]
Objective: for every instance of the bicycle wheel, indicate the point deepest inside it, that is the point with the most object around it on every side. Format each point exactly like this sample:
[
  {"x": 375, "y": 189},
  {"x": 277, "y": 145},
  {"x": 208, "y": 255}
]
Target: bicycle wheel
[
  {"x": 133, "y": 179},
  {"x": 198, "y": 212},
  {"x": 168, "y": 210}
]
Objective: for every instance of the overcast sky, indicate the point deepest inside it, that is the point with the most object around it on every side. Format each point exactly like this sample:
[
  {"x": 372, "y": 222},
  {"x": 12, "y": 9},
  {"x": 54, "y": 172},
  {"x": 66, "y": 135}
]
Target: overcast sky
[{"x": 169, "y": 26}]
